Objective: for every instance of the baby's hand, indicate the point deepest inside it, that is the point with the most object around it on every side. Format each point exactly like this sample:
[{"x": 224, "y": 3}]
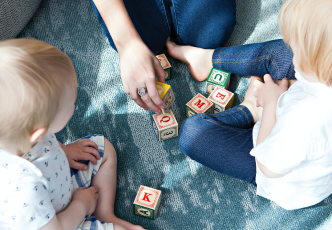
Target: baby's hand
[
  {"x": 88, "y": 197},
  {"x": 269, "y": 91},
  {"x": 83, "y": 149}
]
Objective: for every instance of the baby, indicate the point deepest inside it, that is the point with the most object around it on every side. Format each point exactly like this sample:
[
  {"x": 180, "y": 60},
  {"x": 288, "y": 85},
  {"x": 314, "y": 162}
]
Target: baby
[
  {"x": 38, "y": 89},
  {"x": 288, "y": 152}
]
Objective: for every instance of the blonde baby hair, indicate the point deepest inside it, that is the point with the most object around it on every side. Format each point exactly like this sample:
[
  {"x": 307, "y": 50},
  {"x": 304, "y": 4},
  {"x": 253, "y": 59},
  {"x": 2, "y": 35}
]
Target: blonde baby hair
[
  {"x": 307, "y": 26},
  {"x": 33, "y": 75}
]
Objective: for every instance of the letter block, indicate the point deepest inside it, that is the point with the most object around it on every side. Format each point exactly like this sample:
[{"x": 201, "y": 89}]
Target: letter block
[
  {"x": 147, "y": 202},
  {"x": 165, "y": 125},
  {"x": 222, "y": 99},
  {"x": 199, "y": 104},
  {"x": 166, "y": 93},
  {"x": 216, "y": 77},
  {"x": 166, "y": 66}
]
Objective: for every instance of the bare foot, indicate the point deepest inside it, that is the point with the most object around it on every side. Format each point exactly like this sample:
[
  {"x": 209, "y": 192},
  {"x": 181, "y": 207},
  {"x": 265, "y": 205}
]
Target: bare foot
[
  {"x": 120, "y": 224},
  {"x": 198, "y": 60},
  {"x": 250, "y": 100}
]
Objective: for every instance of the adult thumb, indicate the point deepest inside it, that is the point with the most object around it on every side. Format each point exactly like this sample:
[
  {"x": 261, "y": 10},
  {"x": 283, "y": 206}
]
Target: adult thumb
[{"x": 284, "y": 84}]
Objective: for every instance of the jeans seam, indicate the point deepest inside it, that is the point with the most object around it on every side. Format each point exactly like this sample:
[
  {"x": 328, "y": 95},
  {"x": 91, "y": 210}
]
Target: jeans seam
[
  {"x": 176, "y": 21},
  {"x": 227, "y": 114},
  {"x": 163, "y": 9}
]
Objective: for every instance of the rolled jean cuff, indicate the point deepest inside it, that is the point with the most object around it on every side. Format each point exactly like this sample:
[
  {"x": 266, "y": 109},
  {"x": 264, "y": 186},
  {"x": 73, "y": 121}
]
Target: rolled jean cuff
[{"x": 272, "y": 57}]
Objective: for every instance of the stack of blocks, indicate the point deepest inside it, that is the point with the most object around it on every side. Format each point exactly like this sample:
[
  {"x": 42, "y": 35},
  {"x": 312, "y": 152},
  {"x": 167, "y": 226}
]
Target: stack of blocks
[
  {"x": 165, "y": 65},
  {"x": 217, "y": 77},
  {"x": 220, "y": 98},
  {"x": 147, "y": 202}
]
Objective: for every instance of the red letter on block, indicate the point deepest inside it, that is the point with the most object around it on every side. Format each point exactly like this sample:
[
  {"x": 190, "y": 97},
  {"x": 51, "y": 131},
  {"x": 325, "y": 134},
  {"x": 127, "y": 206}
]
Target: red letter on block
[
  {"x": 162, "y": 119},
  {"x": 146, "y": 197},
  {"x": 222, "y": 96},
  {"x": 199, "y": 104}
]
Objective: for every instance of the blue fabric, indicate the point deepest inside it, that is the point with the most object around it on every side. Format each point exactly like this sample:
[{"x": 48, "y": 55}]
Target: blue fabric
[
  {"x": 205, "y": 24},
  {"x": 193, "y": 196},
  {"x": 221, "y": 141},
  {"x": 273, "y": 57}
]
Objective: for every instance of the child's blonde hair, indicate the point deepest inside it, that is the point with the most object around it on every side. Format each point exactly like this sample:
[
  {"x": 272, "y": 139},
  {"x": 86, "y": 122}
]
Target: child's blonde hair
[
  {"x": 307, "y": 26},
  {"x": 33, "y": 75}
]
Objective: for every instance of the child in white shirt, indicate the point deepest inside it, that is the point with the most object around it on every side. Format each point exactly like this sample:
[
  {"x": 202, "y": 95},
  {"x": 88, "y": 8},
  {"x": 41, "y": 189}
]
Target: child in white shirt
[
  {"x": 291, "y": 143},
  {"x": 38, "y": 88}
]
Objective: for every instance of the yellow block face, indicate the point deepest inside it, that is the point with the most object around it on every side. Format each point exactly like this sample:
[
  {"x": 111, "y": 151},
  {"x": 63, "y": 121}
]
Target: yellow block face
[{"x": 162, "y": 88}]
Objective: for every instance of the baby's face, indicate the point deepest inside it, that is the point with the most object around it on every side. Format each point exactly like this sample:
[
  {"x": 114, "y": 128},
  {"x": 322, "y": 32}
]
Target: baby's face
[{"x": 66, "y": 108}]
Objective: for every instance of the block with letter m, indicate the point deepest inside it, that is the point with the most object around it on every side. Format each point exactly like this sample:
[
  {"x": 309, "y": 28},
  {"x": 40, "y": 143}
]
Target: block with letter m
[{"x": 199, "y": 104}]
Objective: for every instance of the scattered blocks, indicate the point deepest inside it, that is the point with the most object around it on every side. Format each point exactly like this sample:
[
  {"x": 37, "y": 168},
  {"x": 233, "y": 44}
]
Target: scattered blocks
[
  {"x": 166, "y": 93},
  {"x": 147, "y": 202},
  {"x": 222, "y": 99},
  {"x": 165, "y": 125},
  {"x": 166, "y": 66},
  {"x": 216, "y": 77},
  {"x": 199, "y": 104}
]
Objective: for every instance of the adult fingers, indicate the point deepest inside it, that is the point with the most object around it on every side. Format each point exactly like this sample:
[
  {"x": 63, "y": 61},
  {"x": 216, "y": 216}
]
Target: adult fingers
[
  {"x": 147, "y": 100},
  {"x": 154, "y": 94},
  {"x": 134, "y": 95},
  {"x": 159, "y": 70}
]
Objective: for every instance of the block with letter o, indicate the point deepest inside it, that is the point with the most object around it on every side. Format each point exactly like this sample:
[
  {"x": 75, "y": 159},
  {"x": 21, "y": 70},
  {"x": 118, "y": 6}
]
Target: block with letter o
[{"x": 165, "y": 125}]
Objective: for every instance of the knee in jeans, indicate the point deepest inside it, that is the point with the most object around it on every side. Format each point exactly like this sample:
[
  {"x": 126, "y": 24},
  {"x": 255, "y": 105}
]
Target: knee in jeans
[{"x": 192, "y": 131}]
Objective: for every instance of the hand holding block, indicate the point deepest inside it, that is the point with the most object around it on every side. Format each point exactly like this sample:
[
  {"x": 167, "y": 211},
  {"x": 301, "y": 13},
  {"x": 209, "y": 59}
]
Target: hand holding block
[
  {"x": 147, "y": 202},
  {"x": 166, "y": 93},
  {"x": 222, "y": 99},
  {"x": 199, "y": 104},
  {"x": 217, "y": 77},
  {"x": 166, "y": 66},
  {"x": 165, "y": 125}
]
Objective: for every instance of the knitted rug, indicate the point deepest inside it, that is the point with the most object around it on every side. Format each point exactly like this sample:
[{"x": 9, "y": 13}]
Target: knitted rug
[{"x": 193, "y": 196}]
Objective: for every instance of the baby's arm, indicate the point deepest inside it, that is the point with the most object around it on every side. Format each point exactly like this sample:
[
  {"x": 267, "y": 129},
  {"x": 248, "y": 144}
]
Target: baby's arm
[
  {"x": 83, "y": 203},
  {"x": 267, "y": 95}
]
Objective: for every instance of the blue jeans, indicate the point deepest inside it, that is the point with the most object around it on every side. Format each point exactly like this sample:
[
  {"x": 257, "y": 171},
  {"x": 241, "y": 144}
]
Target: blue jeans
[
  {"x": 221, "y": 141},
  {"x": 207, "y": 24}
]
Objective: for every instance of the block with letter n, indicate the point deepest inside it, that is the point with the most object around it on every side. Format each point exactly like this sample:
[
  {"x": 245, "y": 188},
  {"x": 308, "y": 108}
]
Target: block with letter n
[
  {"x": 222, "y": 99},
  {"x": 199, "y": 104},
  {"x": 217, "y": 77},
  {"x": 147, "y": 202},
  {"x": 166, "y": 94},
  {"x": 165, "y": 125},
  {"x": 165, "y": 65}
]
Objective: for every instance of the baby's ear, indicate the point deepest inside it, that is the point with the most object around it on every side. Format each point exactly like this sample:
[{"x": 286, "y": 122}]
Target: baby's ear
[{"x": 38, "y": 134}]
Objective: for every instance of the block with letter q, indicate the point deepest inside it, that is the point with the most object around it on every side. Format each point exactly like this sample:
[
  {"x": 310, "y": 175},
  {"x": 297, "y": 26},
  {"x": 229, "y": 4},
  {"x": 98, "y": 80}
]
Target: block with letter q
[{"x": 165, "y": 125}]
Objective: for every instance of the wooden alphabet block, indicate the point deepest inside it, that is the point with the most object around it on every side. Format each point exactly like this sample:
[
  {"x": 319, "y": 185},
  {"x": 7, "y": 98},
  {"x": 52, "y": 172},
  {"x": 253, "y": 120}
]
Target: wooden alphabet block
[
  {"x": 166, "y": 93},
  {"x": 166, "y": 66},
  {"x": 222, "y": 99},
  {"x": 165, "y": 125},
  {"x": 217, "y": 77},
  {"x": 199, "y": 104},
  {"x": 147, "y": 202}
]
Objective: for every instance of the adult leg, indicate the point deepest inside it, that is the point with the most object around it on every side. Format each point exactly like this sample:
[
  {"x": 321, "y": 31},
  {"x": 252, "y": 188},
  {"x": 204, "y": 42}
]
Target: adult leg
[
  {"x": 272, "y": 57},
  {"x": 151, "y": 20},
  {"x": 206, "y": 24}
]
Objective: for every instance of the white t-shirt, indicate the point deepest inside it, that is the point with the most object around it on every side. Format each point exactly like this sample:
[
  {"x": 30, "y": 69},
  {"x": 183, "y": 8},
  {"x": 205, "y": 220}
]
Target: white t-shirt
[
  {"x": 35, "y": 186},
  {"x": 300, "y": 146}
]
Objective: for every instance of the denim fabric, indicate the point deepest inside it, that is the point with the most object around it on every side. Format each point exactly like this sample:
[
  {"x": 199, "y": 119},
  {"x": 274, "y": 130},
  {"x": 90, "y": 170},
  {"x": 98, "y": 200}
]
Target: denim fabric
[
  {"x": 221, "y": 141},
  {"x": 205, "y": 24},
  {"x": 273, "y": 57}
]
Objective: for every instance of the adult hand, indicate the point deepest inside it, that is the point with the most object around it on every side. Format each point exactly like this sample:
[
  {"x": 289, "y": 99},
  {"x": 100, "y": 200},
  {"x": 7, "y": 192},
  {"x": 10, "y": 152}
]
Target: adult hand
[
  {"x": 88, "y": 197},
  {"x": 81, "y": 150},
  {"x": 269, "y": 91},
  {"x": 138, "y": 69}
]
